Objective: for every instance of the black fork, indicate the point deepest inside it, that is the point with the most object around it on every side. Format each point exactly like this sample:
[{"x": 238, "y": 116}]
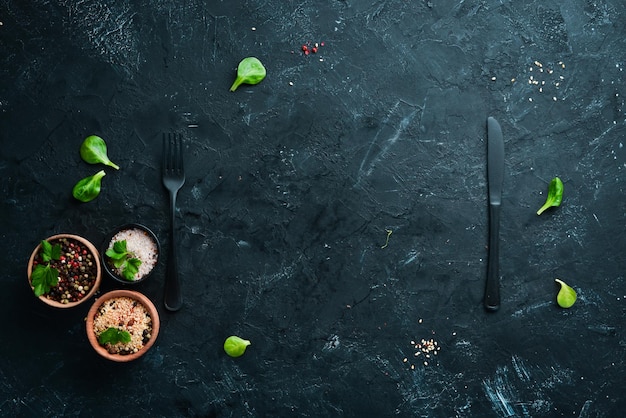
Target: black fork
[{"x": 173, "y": 180}]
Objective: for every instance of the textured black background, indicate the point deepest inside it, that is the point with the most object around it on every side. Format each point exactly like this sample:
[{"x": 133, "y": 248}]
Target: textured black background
[{"x": 291, "y": 186}]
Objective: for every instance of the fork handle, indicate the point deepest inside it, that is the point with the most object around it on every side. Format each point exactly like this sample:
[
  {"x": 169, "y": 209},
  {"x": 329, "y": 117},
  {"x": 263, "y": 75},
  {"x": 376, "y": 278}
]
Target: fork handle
[{"x": 173, "y": 296}]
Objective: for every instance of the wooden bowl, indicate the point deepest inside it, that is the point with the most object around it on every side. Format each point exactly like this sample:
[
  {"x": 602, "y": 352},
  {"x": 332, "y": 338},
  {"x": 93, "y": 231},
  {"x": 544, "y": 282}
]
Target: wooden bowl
[
  {"x": 94, "y": 311},
  {"x": 96, "y": 259}
]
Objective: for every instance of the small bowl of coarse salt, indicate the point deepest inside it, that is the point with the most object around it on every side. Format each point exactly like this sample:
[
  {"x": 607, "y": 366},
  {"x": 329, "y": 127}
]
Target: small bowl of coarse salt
[
  {"x": 122, "y": 325},
  {"x": 130, "y": 253}
]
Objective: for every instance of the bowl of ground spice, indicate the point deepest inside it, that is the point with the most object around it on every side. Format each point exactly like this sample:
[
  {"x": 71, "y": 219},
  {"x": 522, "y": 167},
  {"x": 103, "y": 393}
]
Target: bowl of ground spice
[
  {"x": 130, "y": 253},
  {"x": 64, "y": 270},
  {"x": 122, "y": 325}
]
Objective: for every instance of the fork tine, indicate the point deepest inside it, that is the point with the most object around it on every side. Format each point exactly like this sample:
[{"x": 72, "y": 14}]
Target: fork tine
[{"x": 173, "y": 152}]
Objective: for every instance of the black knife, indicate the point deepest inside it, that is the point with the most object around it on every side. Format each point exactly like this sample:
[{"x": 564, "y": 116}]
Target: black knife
[{"x": 495, "y": 177}]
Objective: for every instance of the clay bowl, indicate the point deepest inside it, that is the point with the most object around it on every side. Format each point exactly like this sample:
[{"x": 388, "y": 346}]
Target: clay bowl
[
  {"x": 107, "y": 302},
  {"x": 95, "y": 259},
  {"x": 149, "y": 258}
]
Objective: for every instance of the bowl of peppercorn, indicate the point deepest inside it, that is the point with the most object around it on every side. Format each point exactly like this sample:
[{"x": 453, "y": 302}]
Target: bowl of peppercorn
[{"x": 64, "y": 270}]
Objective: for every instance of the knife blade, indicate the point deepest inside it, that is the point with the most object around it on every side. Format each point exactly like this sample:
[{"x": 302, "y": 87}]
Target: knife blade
[{"x": 495, "y": 178}]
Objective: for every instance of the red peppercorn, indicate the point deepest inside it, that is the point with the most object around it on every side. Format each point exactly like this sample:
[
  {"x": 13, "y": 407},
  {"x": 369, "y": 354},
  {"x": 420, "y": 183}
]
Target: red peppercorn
[
  {"x": 314, "y": 49},
  {"x": 306, "y": 52},
  {"x": 305, "y": 48}
]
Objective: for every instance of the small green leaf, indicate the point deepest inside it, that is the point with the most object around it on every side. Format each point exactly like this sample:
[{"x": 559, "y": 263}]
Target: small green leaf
[
  {"x": 118, "y": 263},
  {"x": 111, "y": 253},
  {"x": 43, "y": 278},
  {"x": 235, "y": 346},
  {"x": 249, "y": 71},
  {"x": 88, "y": 188},
  {"x": 120, "y": 247},
  {"x": 55, "y": 253},
  {"x": 555, "y": 195},
  {"x": 94, "y": 150},
  {"x": 113, "y": 336},
  {"x": 566, "y": 296},
  {"x": 46, "y": 251},
  {"x": 131, "y": 268}
]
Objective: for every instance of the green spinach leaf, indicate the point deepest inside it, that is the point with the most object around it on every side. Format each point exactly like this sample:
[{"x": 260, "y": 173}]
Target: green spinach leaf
[
  {"x": 94, "y": 150},
  {"x": 566, "y": 296},
  {"x": 249, "y": 71},
  {"x": 88, "y": 188},
  {"x": 235, "y": 346},
  {"x": 555, "y": 195}
]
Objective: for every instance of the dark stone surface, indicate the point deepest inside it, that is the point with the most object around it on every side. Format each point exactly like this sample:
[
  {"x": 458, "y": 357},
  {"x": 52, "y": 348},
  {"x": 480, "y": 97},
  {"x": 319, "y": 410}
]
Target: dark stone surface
[{"x": 291, "y": 186}]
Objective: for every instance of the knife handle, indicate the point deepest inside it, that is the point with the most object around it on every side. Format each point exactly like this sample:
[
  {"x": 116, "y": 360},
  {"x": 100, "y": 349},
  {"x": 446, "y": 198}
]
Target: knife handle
[{"x": 492, "y": 287}]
